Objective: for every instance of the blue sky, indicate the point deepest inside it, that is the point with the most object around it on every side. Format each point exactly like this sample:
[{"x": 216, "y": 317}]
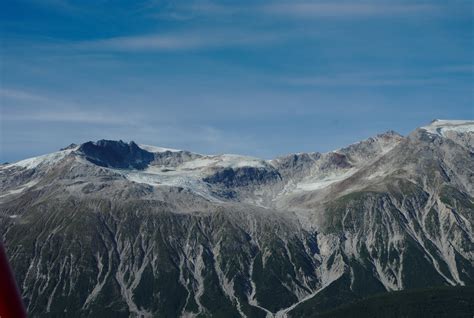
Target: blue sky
[{"x": 252, "y": 77}]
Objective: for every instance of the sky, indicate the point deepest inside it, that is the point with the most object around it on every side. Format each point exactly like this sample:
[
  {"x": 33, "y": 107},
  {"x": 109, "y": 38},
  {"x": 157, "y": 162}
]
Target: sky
[{"x": 260, "y": 78}]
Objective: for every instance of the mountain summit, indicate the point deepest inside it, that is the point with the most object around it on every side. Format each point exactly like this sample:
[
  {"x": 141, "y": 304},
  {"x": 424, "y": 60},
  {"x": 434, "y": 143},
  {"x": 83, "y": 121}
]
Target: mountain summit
[{"x": 117, "y": 229}]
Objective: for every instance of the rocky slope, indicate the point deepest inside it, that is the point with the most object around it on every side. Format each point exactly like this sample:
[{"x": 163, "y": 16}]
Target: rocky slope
[{"x": 117, "y": 229}]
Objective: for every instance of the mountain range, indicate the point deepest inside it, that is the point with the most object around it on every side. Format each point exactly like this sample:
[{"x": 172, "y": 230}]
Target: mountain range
[{"x": 116, "y": 229}]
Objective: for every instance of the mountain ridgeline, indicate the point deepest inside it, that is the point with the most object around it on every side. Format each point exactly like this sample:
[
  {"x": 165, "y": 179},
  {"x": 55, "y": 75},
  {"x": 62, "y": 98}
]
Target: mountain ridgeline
[{"x": 115, "y": 229}]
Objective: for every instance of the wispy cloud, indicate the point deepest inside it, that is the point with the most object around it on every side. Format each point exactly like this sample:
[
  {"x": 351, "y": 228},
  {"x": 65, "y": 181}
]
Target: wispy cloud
[
  {"x": 190, "y": 10},
  {"x": 203, "y": 39},
  {"x": 436, "y": 75},
  {"x": 19, "y": 105},
  {"x": 63, "y": 6},
  {"x": 298, "y": 9},
  {"x": 68, "y": 116},
  {"x": 216, "y": 33},
  {"x": 344, "y": 9},
  {"x": 35, "y": 110},
  {"x": 6, "y": 93},
  {"x": 462, "y": 68},
  {"x": 365, "y": 79}
]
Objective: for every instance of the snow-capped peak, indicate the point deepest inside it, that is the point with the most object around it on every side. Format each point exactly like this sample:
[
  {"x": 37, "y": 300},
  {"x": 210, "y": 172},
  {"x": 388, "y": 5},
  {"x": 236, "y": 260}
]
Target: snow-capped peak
[
  {"x": 441, "y": 126},
  {"x": 48, "y": 159}
]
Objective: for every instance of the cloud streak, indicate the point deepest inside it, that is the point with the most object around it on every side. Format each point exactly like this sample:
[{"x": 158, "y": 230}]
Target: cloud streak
[
  {"x": 19, "y": 105},
  {"x": 6, "y": 93},
  {"x": 433, "y": 76},
  {"x": 203, "y": 39},
  {"x": 195, "y": 40},
  {"x": 304, "y": 9},
  {"x": 362, "y": 81},
  {"x": 344, "y": 9}
]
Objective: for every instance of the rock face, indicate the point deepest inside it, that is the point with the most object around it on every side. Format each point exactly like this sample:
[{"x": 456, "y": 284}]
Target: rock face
[
  {"x": 113, "y": 154},
  {"x": 112, "y": 229}
]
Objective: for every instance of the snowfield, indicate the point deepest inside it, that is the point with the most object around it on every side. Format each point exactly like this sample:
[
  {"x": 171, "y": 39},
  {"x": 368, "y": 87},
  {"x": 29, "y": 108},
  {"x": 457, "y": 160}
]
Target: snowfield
[{"x": 440, "y": 127}]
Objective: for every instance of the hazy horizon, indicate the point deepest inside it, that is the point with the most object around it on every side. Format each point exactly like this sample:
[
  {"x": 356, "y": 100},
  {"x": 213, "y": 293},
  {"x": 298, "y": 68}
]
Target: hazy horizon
[{"x": 217, "y": 153}]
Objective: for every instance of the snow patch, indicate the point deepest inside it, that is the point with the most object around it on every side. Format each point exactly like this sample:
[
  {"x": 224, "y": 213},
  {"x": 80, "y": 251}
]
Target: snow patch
[
  {"x": 155, "y": 177},
  {"x": 190, "y": 174},
  {"x": 236, "y": 161},
  {"x": 34, "y": 162},
  {"x": 224, "y": 161},
  {"x": 19, "y": 189},
  {"x": 325, "y": 181},
  {"x": 199, "y": 163},
  {"x": 440, "y": 127},
  {"x": 157, "y": 149}
]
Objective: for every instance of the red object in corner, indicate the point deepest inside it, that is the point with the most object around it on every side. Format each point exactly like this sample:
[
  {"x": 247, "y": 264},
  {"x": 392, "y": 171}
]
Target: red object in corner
[{"x": 11, "y": 305}]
